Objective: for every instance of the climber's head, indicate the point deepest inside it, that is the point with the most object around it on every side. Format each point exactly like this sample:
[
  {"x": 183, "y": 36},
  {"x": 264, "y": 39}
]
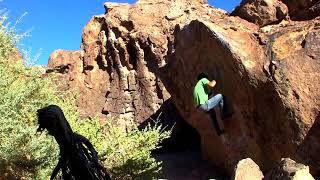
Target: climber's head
[{"x": 201, "y": 76}]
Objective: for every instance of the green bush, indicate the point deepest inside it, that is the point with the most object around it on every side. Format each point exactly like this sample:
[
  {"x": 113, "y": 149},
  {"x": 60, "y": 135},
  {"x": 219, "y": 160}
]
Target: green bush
[
  {"x": 125, "y": 153},
  {"x": 25, "y": 155},
  {"x": 128, "y": 154}
]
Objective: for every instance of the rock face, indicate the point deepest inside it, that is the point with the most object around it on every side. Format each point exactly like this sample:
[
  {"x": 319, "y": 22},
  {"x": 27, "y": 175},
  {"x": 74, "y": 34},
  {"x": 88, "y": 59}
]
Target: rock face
[
  {"x": 264, "y": 12},
  {"x": 90, "y": 84},
  {"x": 247, "y": 169},
  {"x": 135, "y": 57},
  {"x": 288, "y": 169},
  {"x": 303, "y": 9},
  {"x": 120, "y": 57},
  {"x": 261, "y": 12}
]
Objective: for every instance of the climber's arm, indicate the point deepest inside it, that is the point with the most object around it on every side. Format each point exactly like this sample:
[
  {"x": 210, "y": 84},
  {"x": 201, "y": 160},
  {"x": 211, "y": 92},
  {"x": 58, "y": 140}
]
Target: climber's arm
[{"x": 211, "y": 84}]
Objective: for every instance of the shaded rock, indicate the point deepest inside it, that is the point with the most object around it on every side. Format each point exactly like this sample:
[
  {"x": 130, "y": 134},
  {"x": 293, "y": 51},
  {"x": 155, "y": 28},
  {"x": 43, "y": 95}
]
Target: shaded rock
[
  {"x": 187, "y": 165},
  {"x": 183, "y": 136},
  {"x": 303, "y": 9},
  {"x": 247, "y": 169},
  {"x": 261, "y": 12},
  {"x": 288, "y": 169}
]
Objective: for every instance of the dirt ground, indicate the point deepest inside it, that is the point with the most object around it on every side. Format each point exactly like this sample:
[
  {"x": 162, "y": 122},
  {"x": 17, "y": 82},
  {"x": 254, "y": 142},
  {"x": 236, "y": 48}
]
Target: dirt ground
[{"x": 187, "y": 165}]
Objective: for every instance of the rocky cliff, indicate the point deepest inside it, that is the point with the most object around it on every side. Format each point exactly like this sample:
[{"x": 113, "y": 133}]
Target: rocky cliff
[
  {"x": 264, "y": 12},
  {"x": 136, "y": 57}
]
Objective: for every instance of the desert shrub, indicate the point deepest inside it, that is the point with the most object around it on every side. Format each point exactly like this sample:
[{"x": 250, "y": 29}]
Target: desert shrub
[
  {"x": 27, "y": 155},
  {"x": 127, "y": 153}
]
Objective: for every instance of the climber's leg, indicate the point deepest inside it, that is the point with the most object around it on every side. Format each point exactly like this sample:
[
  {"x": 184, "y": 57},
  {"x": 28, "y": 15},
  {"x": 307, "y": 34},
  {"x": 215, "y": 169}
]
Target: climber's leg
[
  {"x": 209, "y": 108},
  {"x": 215, "y": 123}
]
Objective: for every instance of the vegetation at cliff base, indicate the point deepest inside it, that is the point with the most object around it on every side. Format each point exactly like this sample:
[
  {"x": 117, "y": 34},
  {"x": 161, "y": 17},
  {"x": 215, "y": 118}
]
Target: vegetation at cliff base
[{"x": 27, "y": 155}]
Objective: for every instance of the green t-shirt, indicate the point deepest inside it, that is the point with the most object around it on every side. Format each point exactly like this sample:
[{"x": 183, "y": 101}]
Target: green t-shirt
[{"x": 200, "y": 92}]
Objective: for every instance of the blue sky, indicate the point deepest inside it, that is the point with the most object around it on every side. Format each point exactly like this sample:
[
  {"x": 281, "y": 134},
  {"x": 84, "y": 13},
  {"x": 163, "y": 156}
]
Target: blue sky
[{"x": 58, "y": 24}]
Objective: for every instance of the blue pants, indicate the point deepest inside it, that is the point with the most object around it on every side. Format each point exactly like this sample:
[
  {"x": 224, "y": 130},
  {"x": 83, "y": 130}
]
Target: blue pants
[
  {"x": 213, "y": 102},
  {"x": 208, "y": 107}
]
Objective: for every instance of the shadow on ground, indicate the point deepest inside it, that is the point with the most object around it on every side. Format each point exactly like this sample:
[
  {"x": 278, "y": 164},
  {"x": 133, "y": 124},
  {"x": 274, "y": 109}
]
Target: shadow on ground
[
  {"x": 181, "y": 153},
  {"x": 187, "y": 165}
]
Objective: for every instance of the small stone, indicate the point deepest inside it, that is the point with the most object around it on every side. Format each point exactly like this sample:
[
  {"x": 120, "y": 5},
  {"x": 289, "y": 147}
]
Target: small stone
[
  {"x": 288, "y": 169},
  {"x": 247, "y": 169}
]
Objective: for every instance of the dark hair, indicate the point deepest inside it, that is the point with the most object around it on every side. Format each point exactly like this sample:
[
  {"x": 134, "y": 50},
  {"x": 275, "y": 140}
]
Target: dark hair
[{"x": 201, "y": 76}]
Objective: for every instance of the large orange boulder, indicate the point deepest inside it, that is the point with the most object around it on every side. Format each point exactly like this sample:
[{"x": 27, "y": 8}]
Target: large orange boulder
[
  {"x": 271, "y": 78},
  {"x": 261, "y": 12}
]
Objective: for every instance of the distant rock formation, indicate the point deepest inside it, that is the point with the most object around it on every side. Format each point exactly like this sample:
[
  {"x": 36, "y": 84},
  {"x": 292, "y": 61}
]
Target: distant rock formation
[
  {"x": 303, "y": 9},
  {"x": 261, "y": 12},
  {"x": 265, "y": 12},
  {"x": 136, "y": 57}
]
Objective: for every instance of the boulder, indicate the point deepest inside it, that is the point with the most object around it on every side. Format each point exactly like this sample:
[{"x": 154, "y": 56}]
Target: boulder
[
  {"x": 247, "y": 169},
  {"x": 261, "y": 12},
  {"x": 288, "y": 169},
  {"x": 303, "y": 9}
]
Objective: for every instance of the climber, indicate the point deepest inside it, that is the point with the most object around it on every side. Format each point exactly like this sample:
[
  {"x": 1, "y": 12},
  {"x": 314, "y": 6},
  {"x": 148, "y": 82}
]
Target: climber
[
  {"x": 78, "y": 158},
  {"x": 202, "y": 101}
]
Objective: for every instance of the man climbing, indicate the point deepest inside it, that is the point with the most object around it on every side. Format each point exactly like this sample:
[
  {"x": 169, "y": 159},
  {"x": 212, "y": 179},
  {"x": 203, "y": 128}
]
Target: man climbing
[{"x": 202, "y": 101}]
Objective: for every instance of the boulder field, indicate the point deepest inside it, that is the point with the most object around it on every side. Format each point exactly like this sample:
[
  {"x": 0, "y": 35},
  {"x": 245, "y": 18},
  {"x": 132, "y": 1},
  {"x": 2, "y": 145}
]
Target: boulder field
[{"x": 136, "y": 57}]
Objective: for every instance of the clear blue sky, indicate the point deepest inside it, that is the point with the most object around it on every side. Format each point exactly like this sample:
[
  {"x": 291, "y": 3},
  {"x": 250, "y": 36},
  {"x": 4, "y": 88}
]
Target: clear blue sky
[{"x": 58, "y": 24}]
